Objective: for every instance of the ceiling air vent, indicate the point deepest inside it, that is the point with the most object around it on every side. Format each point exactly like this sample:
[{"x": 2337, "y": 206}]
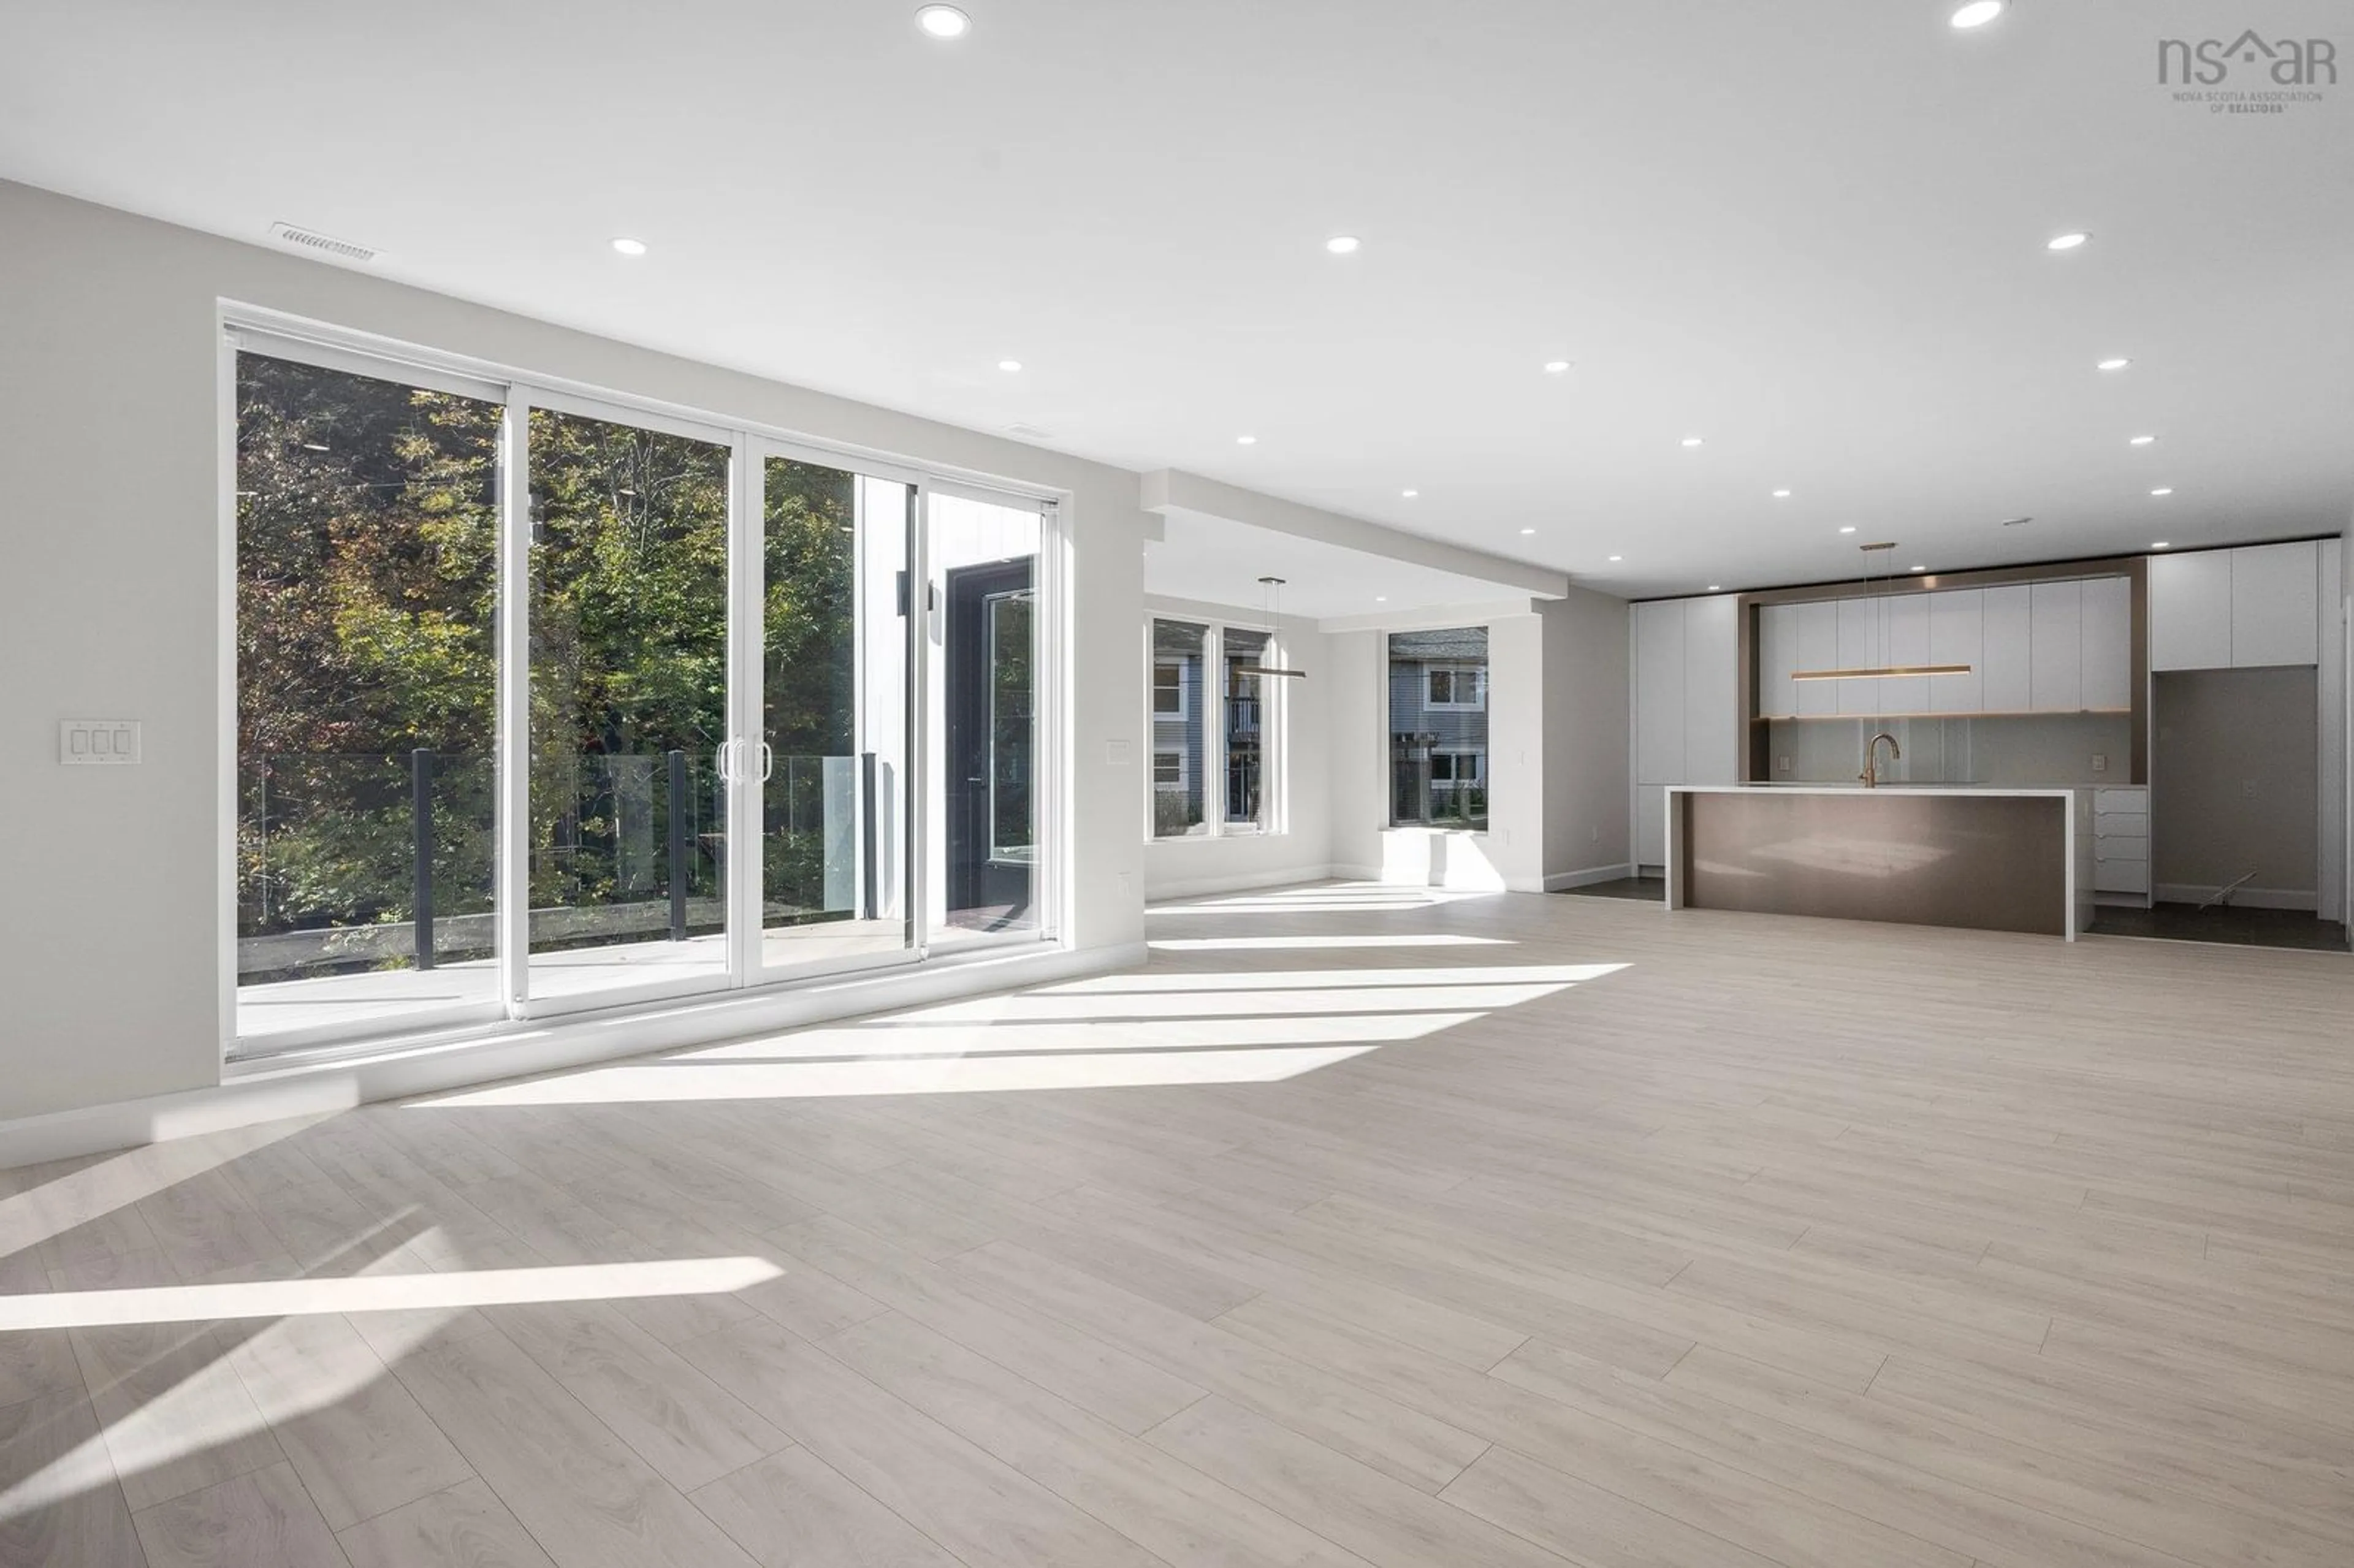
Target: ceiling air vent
[
  {"x": 2017, "y": 522},
  {"x": 1030, "y": 432},
  {"x": 287, "y": 234}
]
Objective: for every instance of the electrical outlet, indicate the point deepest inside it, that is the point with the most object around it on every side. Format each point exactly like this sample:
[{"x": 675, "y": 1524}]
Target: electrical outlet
[
  {"x": 2100, "y": 763},
  {"x": 2248, "y": 787},
  {"x": 1597, "y": 832},
  {"x": 1781, "y": 765}
]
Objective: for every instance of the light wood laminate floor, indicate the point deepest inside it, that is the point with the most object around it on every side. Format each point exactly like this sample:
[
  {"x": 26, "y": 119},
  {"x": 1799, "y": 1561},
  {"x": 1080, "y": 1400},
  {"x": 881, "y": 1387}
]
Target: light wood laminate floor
[{"x": 1359, "y": 1228}]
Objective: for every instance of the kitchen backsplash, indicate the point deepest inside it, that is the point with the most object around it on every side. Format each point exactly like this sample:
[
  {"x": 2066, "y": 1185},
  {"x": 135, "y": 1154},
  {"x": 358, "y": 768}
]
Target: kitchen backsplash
[{"x": 2025, "y": 751}]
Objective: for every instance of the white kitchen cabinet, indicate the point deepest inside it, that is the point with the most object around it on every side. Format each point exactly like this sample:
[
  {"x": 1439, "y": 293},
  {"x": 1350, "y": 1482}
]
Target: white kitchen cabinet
[
  {"x": 1651, "y": 824},
  {"x": 1817, "y": 649},
  {"x": 1660, "y": 692},
  {"x": 2006, "y": 685},
  {"x": 1711, "y": 692},
  {"x": 1777, "y": 657},
  {"x": 2275, "y": 593},
  {"x": 2190, "y": 611},
  {"x": 2055, "y": 645},
  {"x": 1957, "y": 636},
  {"x": 1907, "y": 635},
  {"x": 1861, "y": 638},
  {"x": 2109, "y": 642}
]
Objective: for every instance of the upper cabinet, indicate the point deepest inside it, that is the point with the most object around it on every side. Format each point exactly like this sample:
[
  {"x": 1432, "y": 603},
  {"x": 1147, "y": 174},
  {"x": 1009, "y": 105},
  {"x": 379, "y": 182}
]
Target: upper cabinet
[
  {"x": 2226, "y": 609},
  {"x": 2275, "y": 604},
  {"x": 2056, "y": 647}
]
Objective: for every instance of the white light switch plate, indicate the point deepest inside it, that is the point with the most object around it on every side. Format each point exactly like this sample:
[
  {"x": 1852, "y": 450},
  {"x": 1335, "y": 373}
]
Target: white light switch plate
[
  {"x": 1116, "y": 753},
  {"x": 87, "y": 742}
]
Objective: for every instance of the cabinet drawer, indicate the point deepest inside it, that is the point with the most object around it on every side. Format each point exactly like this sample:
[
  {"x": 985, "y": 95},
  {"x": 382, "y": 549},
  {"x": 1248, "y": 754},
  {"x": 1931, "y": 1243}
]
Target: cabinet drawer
[
  {"x": 2136, "y": 800},
  {"x": 2121, "y": 852},
  {"x": 2121, "y": 877},
  {"x": 2121, "y": 825}
]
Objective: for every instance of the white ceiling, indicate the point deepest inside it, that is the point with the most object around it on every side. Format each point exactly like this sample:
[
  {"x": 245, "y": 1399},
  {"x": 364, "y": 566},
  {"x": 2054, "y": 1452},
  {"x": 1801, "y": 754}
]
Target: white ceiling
[
  {"x": 1218, "y": 561},
  {"x": 1812, "y": 233}
]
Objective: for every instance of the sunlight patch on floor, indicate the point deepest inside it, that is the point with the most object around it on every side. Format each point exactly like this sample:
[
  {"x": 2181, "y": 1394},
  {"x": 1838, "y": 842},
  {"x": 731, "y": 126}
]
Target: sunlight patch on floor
[
  {"x": 1279, "y": 944},
  {"x": 654, "y": 1083},
  {"x": 384, "y": 1293}
]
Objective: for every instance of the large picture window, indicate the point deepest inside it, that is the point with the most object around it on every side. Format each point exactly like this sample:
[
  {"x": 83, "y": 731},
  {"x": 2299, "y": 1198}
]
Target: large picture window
[
  {"x": 1180, "y": 735},
  {"x": 1214, "y": 730},
  {"x": 1438, "y": 728},
  {"x": 547, "y": 702}
]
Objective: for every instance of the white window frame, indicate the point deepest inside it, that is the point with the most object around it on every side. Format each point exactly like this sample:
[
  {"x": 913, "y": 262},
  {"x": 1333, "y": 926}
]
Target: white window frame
[
  {"x": 1455, "y": 674},
  {"x": 1274, "y": 731},
  {"x": 261, "y": 330},
  {"x": 1184, "y": 711}
]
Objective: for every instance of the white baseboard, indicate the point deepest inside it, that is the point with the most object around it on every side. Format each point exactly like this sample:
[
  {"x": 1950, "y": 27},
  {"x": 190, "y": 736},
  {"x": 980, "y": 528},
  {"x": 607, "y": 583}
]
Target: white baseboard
[
  {"x": 1586, "y": 878},
  {"x": 1205, "y": 886},
  {"x": 266, "y": 1091},
  {"x": 2246, "y": 898}
]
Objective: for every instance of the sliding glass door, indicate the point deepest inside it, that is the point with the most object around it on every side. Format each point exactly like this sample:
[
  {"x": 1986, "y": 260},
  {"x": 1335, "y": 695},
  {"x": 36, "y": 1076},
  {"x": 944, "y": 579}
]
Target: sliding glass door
[
  {"x": 547, "y": 703},
  {"x": 834, "y": 749},
  {"x": 983, "y": 560},
  {"x": 629, "y": 654}
]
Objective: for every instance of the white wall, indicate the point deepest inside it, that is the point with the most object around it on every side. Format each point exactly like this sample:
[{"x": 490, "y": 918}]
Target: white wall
[
  {"x": 109, "y": 431},
  {"x": 1178, "y": 868},
  {"x": 1586, "y": 686}
]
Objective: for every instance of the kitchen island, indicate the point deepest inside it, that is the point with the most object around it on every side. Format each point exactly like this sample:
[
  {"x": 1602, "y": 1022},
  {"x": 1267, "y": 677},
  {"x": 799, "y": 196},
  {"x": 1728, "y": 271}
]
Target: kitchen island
[{"x": 1978, "y": 858}]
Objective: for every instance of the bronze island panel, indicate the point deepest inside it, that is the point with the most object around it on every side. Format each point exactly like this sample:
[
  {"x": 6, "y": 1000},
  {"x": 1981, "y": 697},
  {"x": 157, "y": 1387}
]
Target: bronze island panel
[{"x": 1986, "y": 862}]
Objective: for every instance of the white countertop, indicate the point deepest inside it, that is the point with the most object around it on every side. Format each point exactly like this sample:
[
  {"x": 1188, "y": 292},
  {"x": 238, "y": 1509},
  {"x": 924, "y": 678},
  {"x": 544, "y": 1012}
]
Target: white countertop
[{"x": 1983, "y": 789}]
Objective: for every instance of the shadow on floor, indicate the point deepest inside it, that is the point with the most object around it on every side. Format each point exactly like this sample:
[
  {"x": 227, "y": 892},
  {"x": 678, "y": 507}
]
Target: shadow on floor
[
  {"x": 1649, "y": 889},
  {"x": 2234, "y": 927}
]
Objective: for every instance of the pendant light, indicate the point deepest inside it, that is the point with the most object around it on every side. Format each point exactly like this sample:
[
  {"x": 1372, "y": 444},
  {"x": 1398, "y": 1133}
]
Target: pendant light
[
  {"x": 1882, "y": 671},
  {"x": 1271, "y": 600}
]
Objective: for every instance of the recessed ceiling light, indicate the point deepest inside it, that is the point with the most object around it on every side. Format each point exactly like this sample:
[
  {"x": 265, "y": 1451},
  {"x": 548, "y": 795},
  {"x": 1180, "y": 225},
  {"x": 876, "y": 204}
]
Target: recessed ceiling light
[
  {"x": 1409, "y": 495},
  {"x": 1380, "y": 598},
  {"x": 1849, "y": 530},
  {"x": 2139, "y": 441},
  {"x": 1692, "y": 441},
  {"x": 944, "y": 21},
  {"x": 1246, "y": 440},
  {"x": 2116, "y": 362},
  {"x": 2163, "y": 490},
  {"x": 1556, "y": 367},
  {"x": 1978, "y": 14},
  {"x": 1009, "y": 366},
  {"x": 1781, "y": 496},
  {"x": 1920, "y": 568},
  {"x": 1618, "y": 557},
  {"x": 1716, "y": 587},
  {"x": 1342, "y": 245},
  {"x": 628, "y": 247},
  {"x": 2065, "y": 241}
]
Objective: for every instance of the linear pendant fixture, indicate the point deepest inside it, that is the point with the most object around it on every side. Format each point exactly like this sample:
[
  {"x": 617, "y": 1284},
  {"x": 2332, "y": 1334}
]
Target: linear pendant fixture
[
  {"x": 1879, "y": 671},
  {"x": 1272, "y": 595}
]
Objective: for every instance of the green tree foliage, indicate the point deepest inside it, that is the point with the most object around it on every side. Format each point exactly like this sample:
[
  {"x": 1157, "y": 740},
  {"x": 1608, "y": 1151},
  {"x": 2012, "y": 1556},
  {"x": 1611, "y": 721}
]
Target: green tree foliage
[{"x": 368, "y": 616}]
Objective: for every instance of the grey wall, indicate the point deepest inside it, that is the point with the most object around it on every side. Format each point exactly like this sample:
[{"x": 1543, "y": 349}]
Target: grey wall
[
  {"x": 2219, "y": 733},
  {"x": 109, "y": 423},
  {"x": 1587, "y": 683}
]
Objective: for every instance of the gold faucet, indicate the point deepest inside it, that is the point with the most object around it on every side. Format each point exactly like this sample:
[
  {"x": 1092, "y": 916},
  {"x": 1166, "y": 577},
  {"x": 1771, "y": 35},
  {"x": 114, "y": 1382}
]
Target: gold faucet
[{"x": 1871, "y": 774}]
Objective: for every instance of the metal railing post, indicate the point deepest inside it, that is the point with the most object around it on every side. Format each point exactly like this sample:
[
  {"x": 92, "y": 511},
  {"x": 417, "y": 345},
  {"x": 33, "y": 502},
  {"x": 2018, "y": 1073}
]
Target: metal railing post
[
  {"x": 678, "y": 846},
  {"x": 420, "y": 810}
]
